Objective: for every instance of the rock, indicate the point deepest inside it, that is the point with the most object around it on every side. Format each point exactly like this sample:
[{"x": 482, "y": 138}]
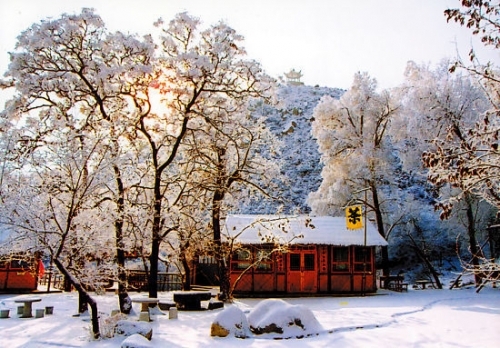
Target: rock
[
  {"x": 136, "y": 341},
  {"x": 129, "y": 328},
  {"x": 216, "y": 330},
  {"x": 231, "y": 321}
]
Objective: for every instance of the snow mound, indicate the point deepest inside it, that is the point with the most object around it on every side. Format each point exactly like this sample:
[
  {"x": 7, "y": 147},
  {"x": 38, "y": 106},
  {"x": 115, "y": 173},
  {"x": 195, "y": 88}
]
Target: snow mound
[
  {"x": 130, "y": 328},
  {"x": 232, "y": 321},
  {"x": 136, "y": 341},
  {"x": 283, "y": 320}
]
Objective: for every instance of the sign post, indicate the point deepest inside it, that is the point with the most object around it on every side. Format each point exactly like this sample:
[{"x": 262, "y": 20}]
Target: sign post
[{"x": 354, "y": 221}]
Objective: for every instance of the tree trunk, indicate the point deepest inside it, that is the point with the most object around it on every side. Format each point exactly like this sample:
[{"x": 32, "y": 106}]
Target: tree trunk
[
  {"x": 123, "y": 298},
  {"x": 225, "y": 282},
  {"x": 186, "y": 284},
  {"x": 381, "y": 231},
  {"x": 83, "y": 305},
  {"x": 223, "y": 270},
  {"x": 67, "y": 285},
  {"x": 471, "y": 231},
  {"x": 218, "y": 198},
  {"x": 153, "y": 270},
  {"x": 156, "y": 238},
  {"x": 424, "y": 258},
  {"x": 83, "y": 294}
]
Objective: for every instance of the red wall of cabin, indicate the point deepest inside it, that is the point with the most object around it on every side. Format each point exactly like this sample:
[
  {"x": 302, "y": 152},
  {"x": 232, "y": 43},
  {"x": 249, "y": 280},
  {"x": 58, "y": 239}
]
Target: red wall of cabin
[{"x": 280, "y": 280}]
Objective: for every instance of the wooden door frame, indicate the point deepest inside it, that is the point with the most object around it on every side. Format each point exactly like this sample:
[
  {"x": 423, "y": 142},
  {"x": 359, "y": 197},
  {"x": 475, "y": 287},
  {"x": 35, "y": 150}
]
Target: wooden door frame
[{"x": 303, "y": 275}]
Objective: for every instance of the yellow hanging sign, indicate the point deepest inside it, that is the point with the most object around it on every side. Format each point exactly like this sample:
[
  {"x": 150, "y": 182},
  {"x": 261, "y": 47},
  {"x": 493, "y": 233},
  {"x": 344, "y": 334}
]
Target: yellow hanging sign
[{"x": 354, "y": 217}]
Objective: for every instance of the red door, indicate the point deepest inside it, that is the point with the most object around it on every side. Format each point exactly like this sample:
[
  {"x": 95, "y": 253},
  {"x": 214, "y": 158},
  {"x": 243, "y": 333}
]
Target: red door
[{"x": 301, "y": 275}]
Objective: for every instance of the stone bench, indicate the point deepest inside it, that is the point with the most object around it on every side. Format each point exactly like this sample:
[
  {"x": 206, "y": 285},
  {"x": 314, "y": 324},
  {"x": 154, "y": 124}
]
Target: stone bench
[
  {"x": 215, "y": 305},
  {"x": 191, "y": 300},
  {"x": 165, "y": 306}
]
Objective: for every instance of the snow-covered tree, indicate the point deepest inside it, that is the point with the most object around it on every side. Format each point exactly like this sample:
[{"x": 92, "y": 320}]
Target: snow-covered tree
[
  {"x": 439, "y": 109},
  {"x": 353, "y": 138},
  {"x": 472, "y": 165},
  {"x": 466, "y": 156},
  {"x": 49, "y": 202},
  {"x": 137, "y": 103},
  {"x": 201, "y": 74},
  {"x": 70, "y": 73},
  {"x": 236, "y": 159}
]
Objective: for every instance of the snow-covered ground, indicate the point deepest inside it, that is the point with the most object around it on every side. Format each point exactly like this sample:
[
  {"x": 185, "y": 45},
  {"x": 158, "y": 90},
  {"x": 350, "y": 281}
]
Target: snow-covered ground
[{"x": 417, "y": 318}]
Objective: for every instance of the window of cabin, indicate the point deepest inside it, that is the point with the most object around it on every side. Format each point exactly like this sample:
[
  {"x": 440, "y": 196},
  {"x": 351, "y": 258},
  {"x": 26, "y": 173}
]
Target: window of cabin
[
  {"x": 265, "y": 260},
  {"x": 340, "y": 259},
  {"x": 362, "y": 255},
  {"x": 241, "y": 260},
  {"x": 309, "y": 262},
  {"x": 294, "y": 262},
  {"x": 19, "y": 264}
]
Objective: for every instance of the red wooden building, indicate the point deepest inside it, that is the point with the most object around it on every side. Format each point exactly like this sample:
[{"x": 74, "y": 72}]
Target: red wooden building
[
  {"x": 20, "y": 274},
  {"x": 319, "y": 255}
]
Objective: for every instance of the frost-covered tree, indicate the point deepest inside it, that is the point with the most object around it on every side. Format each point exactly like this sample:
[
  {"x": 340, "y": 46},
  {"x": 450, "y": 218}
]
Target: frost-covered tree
[
  {"x": 49, "y": 202},
  {"x": 473, "y": 164},
  {"x": 139, "y": 100},
  {"x": 236, "y": 159},
  {"x": 356, "y": 151},
  {"x": 70, "y": 73},
  {"x": 468, "y": 157},
  {"x": 439, "y": 109},
  {"x": 201, "y": 72}
]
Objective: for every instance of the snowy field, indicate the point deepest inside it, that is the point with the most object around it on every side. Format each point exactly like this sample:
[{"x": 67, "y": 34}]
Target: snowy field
[{"x": 417, "y": 318}]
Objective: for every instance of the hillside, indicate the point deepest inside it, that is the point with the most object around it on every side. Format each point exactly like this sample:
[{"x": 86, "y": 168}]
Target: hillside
[{"x": 290, "y": 121}]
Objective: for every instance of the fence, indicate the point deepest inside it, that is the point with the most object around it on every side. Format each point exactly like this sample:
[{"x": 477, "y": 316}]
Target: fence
[
  {"x": 56, "y": 280},
  {"x": 137, "y": 281},
  {"x": 167, "y": 281}
]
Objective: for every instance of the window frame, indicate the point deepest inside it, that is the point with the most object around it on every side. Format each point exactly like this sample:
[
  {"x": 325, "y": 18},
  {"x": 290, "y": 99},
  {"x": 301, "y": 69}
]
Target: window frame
[
  {"x": 358, "y": 259},
  {"x": 342, "y": 265},
  {"x": 241, "y": 260}
]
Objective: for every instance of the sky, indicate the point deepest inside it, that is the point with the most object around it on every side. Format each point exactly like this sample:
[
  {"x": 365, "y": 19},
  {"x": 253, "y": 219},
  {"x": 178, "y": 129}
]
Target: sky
[{"x": 327, "y": 40}]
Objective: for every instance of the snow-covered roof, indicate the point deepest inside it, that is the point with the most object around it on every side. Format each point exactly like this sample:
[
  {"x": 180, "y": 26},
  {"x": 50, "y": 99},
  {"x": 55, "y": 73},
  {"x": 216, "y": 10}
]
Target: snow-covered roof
[{"x": 256, "y": 229}]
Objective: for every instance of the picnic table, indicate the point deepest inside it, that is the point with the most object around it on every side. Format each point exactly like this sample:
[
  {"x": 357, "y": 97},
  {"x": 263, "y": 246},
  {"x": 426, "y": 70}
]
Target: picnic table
[
  {"x": 191, "y": 300},
  {"x": 393, "y": 282},
  {"x": 423, "y": 283},
  {"x": 27, "y": 302}
]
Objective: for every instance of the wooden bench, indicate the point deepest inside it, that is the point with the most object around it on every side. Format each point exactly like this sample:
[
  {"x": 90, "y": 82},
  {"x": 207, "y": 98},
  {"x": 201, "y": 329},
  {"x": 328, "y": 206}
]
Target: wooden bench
[{"x": 191, "y": 300}]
